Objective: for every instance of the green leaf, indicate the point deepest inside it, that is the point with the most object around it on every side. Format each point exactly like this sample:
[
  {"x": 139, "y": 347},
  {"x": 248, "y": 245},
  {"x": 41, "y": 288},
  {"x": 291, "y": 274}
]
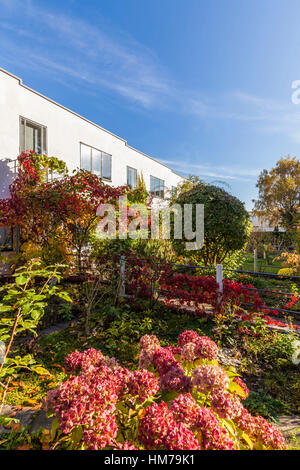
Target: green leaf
[
  {"x": 21, "y": 280},
  {"x": 230, "y": 426},
  {"x": 237, "y": 389},
  {"x": 40, "y": 370},
  {"x": 247, "y": 440},
  {"x": 5, "y": 308},
  {"x": 54, "y": 427},
  {"x": 76, "y": 434}
]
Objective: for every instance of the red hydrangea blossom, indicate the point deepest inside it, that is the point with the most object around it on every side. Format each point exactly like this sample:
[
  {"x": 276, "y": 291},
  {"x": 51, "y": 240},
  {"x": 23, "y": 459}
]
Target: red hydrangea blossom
[
  {"x": 206, "y": 348},
  {"x": 246, "y": 422},
  {"x": 188, "y": 352},
  {"x": 269, "y": 436},
  {"x": 89, "y": 403},
  {"x": 158, "y": 429},
  {"x": 163, "y": 360},
  {"x": 227, "y": 406},
  {"x": 209, "y": 378},
  {"x": 143, "y": 384},
  {"x": 175, "y": 379},
  {"x": 149, "y": 340},
  {"x": 154, "y": 425},
  {"x": 188, "y": 336},
  {"x": 185, "y": 410},
  {"x": 180, "y": 438},
  {"x": 81, "y": 360}
]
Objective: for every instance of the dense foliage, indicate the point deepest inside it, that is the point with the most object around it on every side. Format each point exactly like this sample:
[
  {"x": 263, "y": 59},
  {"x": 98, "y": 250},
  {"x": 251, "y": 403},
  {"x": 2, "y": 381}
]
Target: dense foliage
[
  {"x": 279, "y": 193},
  {"x": 226, "y": 224}
]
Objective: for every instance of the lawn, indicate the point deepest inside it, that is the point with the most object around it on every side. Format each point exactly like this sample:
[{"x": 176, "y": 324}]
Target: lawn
[{"x": 270, "y": 265}]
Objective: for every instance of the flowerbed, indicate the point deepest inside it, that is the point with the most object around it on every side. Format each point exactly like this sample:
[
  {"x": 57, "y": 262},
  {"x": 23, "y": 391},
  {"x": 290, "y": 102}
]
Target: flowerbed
[
  {"x": 145, "y": 279},
  {"x": 179, "y": 399}
]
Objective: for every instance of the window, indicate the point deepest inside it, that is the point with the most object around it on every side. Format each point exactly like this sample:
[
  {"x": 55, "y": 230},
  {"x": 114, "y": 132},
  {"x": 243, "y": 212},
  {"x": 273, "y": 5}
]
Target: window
[
  {"x": 33, "y": 136},
  {"x": 157, "y": 187},
  {"x": 96, "y": 161},
  {"x": 132, "y": 177}
]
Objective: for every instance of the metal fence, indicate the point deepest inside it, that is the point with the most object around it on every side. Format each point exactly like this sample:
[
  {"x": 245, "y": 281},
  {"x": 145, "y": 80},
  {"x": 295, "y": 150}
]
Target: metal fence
[{"x": 219, "y": 274}]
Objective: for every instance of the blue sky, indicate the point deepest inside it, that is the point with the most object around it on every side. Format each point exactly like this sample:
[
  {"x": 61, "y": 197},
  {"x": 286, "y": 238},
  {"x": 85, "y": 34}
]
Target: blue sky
[{"x": 204, "y": 86}]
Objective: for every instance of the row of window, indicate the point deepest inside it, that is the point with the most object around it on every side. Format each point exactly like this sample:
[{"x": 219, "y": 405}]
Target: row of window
[{"x": 34, "y": 137}]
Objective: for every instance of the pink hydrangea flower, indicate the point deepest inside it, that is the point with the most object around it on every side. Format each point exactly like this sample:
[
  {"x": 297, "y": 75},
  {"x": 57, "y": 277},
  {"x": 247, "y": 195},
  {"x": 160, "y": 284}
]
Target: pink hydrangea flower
[
  {"x": 175, "y": 379},
  {"x": 246, "y": 422},
  {"x": 269, "y": 436},
  {"x": 149, "y": 340},
  {"x": 185, "y": 410},
  {"x": 210, "y": 377},
  {"x": 226, "y": 405},
  {"x": 143, "y": 384},
  {"x": 214, "y": 436},
  {"x": 163, "y": 360},
  {"x": 154, "y": 425},
  {"x": 173, "y": 349},
  {"x": 206, "y": 348},
  {"x": 77, "y": 360},
  {"x": 188, "y": 336},
  {"x": 146, "y": 356},
  {"x": 188, "y": 352},
  {"x": 180, "y": 438}
]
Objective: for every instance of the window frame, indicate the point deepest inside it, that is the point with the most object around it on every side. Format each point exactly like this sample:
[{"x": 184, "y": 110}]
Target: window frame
[
  {"x": 159, "y": 179},
  {"x": 44, "y": 145},
  {"x": 127, "y": 171},
  {"x": 91, "y": 160}
]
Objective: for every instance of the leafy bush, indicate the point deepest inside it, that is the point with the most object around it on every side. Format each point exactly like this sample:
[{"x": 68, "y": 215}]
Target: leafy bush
[
  {"x": 179, "y": 399},
  {"x": 226, "y": 225},
  {"x": 21, "y": 309},
  {"x": 260, "y": 403}
]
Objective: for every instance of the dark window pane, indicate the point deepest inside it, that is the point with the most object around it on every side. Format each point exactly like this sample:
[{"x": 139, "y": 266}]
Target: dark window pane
[
  {"x": 44, "y": 140},
  {"x": 157, "y": 187},
  {"x": 132, "y": 177},
  {"x": 22, "y": 135},
  {"x": 33, "y": 138},
  {"x": 85, "y": 157},
  {"x": 96, "y": 162},
  {"x": 106, "y": 166}
]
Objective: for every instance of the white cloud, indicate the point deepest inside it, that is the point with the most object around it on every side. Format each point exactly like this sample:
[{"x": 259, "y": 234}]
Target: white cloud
[
  {"x": 230, "y": 173},
  {"x": 99, "y": 58},
  {"x": 86, "y": 53}
]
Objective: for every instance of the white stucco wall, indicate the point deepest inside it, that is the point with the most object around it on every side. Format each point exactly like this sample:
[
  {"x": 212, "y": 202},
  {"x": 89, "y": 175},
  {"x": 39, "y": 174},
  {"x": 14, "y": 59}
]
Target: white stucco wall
[{"x": 65, "y": 131}]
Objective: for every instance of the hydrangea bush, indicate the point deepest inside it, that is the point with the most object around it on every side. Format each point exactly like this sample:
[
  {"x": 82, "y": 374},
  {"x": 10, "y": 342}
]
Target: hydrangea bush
[{"x": 179, "y": 399}]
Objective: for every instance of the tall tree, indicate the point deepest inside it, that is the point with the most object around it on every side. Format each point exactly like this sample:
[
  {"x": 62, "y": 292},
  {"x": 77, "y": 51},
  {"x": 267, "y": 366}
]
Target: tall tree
[{"x": 279, "y": 193}]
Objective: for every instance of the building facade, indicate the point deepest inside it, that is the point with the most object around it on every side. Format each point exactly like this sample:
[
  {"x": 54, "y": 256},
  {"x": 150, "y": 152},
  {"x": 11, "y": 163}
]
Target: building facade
[
  {"x": 31, "y": 121},
  {"x": 261, "y": 224}
]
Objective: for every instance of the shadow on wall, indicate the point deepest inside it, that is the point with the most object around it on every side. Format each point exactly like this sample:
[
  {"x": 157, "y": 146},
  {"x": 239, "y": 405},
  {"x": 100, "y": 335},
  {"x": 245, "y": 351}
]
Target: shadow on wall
[{"x": 7, "y": 175}]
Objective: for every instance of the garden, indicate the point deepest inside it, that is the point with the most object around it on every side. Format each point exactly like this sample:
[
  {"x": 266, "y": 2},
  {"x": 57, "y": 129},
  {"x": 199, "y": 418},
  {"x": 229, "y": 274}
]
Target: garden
[{"x": 130, "y": 344}]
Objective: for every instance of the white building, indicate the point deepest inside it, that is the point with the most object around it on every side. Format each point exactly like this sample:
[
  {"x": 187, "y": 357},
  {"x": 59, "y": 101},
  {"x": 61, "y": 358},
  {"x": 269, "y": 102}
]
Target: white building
[
  {"x": 261, "y": 224},
  {"x": 31, "y": 121}
]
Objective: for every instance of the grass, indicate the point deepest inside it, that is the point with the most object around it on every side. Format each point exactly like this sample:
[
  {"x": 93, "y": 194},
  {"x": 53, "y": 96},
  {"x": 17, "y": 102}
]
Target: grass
[{"x": 262, "y": 264}]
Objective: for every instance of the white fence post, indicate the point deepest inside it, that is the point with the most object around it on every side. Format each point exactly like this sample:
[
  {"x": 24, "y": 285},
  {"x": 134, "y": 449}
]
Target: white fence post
[
  {"x": 255, "y": 260},
  {"x": 122, "y": 276},
  {"x": 220, "y": 280}
]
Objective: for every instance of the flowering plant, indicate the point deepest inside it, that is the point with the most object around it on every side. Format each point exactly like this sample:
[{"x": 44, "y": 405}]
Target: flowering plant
[{"x": 179, "y": 399}]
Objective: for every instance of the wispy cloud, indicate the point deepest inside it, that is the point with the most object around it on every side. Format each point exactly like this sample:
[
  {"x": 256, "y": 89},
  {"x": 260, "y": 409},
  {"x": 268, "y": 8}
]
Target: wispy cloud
[
  {"x": 227, "y": 173},
  {"x": 84, "y": 52},
  {"x": 94, "y": 57}
]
